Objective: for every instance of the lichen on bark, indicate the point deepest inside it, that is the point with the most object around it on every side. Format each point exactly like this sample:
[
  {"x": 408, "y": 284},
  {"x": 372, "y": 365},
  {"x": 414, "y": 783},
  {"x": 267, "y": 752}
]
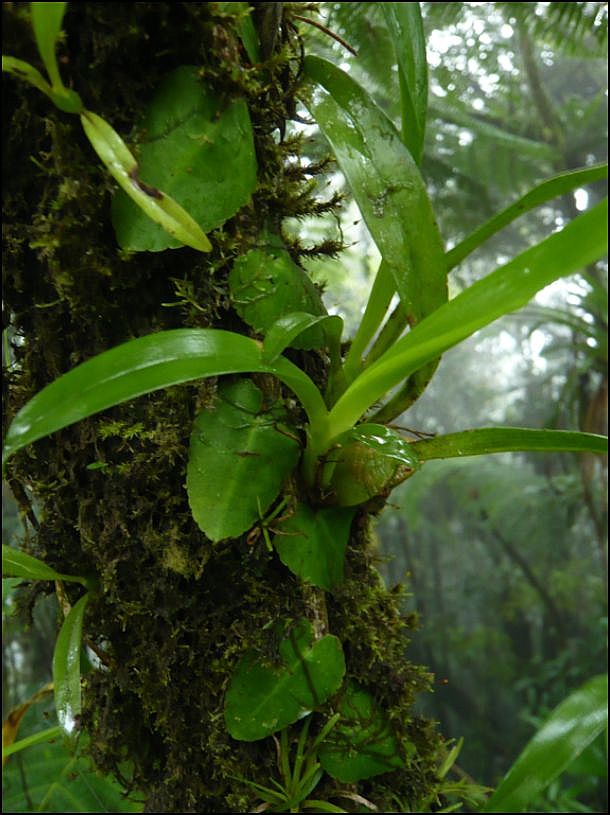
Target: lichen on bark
[{"x": 174, "y": 613}]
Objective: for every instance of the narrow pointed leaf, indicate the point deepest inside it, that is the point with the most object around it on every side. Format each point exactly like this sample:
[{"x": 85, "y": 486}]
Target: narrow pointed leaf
[
  {"x": 406, "y": 29},
  {"x": 27, "y": 72},
  {"x": 506, "y": 439},
  {"x": 583, "y": 241},
  {"x": 16, "y": 563},
  {"x": 123, "y": 167},
  {"x": 66, "y": 667},
  {"x": 144, "y": 365},
  {"x": 571, "y": 727},
  {"x": 29, "y": 741},
  {"x": 386, "y": 184},
  {"x": 546, "y": 191}
]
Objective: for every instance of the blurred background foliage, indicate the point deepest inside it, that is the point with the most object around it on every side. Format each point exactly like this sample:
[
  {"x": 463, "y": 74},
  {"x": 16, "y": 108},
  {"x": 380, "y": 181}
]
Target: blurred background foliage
[{"x": 504, "y": 558}]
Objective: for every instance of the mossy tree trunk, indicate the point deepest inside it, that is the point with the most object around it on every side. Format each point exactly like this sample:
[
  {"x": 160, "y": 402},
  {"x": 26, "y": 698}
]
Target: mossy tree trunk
[{"x": 174, "y": 613}]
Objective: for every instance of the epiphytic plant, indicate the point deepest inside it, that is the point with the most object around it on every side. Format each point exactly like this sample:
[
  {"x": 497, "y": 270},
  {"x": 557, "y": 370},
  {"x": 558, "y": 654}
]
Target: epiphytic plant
[{"x": 336, "y": 453}]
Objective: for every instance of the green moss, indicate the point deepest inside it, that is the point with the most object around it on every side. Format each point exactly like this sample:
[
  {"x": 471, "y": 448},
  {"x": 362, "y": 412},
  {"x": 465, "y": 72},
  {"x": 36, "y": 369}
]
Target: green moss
[{"x": 174, "y": 613}]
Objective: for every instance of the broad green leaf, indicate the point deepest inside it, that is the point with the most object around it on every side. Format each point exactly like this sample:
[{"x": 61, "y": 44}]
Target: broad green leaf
[
  {"x": 312, "y": 544},
  {"x": 266, "y": 285},
  {"x": 239, "y": 457},
  {"x": 16, "y": 563},
  {"x": 198, "y": 148},
  {"x": 404, "y": 23},
  {"x": 66, "y": 668},
  {"x": 264, "y": 698},
  {"x": 571, "y": 727},
  {"x": 154, "y": 208},
  {"x": 366, "y": 461},
  {"x": 284, "y": 332},
  {"x": 582, "y": 241},
  {"x": 144, "y": 365},
  {"x": 386, "y": 184},
  {"x": 505, "y": 439},
  {"x": 52, "y": 778},
  {"x": 546, "y": 191},
  {"x": 361, "y": 745}
]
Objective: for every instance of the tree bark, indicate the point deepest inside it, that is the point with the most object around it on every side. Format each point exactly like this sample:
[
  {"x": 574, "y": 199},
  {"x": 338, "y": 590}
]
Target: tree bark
[{"x": 174, "y": 613}]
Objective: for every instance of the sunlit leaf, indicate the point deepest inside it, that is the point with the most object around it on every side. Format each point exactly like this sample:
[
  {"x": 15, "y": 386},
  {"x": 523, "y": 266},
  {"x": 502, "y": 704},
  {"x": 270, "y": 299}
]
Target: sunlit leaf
[
  {"x": 571, "y": 727},
  {"x": 264, "y": 698},
  {"x": 239, "y": 457}
]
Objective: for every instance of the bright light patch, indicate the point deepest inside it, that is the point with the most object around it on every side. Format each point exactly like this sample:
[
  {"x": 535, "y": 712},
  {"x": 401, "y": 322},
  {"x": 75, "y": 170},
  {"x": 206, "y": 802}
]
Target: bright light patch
[{"x": 581, "y": 199}]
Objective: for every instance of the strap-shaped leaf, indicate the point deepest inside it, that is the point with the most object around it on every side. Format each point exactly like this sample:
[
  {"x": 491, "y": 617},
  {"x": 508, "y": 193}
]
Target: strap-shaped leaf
[
  {"x": 16, "y": 563},
  {"x": 46, "y": 22},
  {"x": 66, "y": 667},
  {"x": 582, "y": 241},
  {"x": 123, "y": 167},
  {"x": 540, "y": 194},
  {"x": 386, "y": 184},
  {"x": 571, "y": 727},
  {"x": 506, "y": 439},
  {"x": 405, "y": 25},
  {"x": 148, "y": 364}
]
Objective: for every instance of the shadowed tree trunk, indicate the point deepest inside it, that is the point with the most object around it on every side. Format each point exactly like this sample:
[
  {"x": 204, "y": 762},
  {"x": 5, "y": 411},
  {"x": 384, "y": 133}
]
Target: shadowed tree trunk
[{"x": 174, "y": 613}]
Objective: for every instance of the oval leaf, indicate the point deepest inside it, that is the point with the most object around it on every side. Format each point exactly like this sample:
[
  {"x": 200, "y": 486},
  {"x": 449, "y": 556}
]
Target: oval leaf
[
  {"x": 361, "y": 744},
  {"x": 239, "y": 457},
  {"x": 267, "y": 285},
  {"x": 312, "y": 544},
  {"x": 263, "y": 698},
  {"x": 144, "y": 365},
  {"x": 66, "y": 668},
  {"x": 572, "y": 726},
  {"x": 16, "y": 563},
  {"x": 197, "y": 148}
]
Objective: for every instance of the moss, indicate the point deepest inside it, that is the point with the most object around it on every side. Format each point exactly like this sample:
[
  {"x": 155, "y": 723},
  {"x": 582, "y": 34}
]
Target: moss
[{"x": 173, "y": 613}]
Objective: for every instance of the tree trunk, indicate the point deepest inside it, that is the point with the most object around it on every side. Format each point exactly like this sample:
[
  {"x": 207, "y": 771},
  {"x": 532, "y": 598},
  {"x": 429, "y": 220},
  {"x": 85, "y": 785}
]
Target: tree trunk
[{"x": 174, "y": 613}]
